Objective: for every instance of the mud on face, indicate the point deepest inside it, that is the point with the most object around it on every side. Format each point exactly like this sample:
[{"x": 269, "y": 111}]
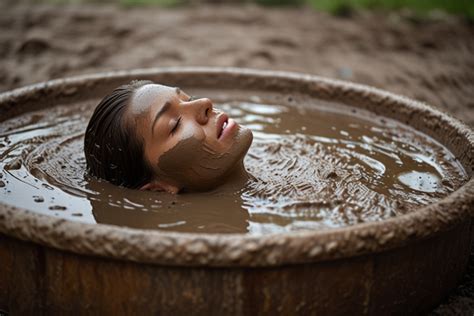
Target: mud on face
[{"x": 188, "y": 143}]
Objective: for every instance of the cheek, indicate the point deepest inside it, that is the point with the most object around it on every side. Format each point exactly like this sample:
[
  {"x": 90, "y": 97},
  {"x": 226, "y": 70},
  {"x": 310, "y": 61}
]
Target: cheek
[
  {"x": 192, "y": 130},
  {"x": 177, "y": 152},
  {"x": 179, "y": 158}
]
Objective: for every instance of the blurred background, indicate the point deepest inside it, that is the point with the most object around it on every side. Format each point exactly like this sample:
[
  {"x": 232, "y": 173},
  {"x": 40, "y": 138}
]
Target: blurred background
[
  {"x": 462, "y": 7},
  {"x": 419, "y": 48}
]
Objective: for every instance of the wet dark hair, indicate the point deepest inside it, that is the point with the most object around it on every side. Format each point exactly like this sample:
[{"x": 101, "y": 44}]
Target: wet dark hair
[{"x": 112, "y": 148}]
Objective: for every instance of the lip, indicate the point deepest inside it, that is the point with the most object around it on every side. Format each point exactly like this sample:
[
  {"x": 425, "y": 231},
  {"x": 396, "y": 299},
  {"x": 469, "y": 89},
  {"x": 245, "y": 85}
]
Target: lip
[
  {"x": 231, "y": 125},
  {"x": 221, "y": 119}
]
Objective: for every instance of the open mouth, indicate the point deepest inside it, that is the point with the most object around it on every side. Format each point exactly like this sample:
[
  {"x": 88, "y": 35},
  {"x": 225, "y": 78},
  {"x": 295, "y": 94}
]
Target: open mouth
[
  {"x": 225, "y": 126},
  {"x": 222, "y": 123}
]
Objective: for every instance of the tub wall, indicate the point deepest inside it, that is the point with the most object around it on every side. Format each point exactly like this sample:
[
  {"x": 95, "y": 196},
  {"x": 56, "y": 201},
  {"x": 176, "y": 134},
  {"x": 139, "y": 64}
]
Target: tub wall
[{"x": 40, "y": 280}]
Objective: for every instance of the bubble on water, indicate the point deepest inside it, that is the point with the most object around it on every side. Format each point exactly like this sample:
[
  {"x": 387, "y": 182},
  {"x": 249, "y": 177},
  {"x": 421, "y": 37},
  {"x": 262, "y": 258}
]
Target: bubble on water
[
  {"x": 420, "y": 181},
  {"x": 57, "y": 208},
  {"x": 38, "y": 199}
]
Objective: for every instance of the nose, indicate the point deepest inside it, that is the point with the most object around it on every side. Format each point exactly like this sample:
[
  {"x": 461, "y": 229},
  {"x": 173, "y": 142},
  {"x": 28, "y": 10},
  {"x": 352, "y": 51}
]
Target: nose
[{"x": 202, "y": 109}]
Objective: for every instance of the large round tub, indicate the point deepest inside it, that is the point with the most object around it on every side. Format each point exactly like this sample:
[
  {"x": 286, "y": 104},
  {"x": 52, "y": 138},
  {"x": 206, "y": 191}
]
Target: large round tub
[{"x": 406, "y": 264}]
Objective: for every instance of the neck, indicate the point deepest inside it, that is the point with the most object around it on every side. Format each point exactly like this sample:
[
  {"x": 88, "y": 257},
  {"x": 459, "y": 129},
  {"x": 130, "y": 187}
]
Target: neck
[{"x": 237, "y": 178}]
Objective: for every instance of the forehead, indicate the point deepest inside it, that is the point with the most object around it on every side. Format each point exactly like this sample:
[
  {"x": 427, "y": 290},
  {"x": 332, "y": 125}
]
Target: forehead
[{"x": 151, "y": 95}]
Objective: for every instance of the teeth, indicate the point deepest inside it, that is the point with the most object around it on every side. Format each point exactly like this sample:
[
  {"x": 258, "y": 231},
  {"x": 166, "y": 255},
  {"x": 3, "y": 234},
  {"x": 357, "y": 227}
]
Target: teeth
[{"x": 225, "y": 124}]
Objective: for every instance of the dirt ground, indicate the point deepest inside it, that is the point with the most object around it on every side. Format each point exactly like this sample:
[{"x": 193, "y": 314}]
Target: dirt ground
[{"x": 429, "y": 59}]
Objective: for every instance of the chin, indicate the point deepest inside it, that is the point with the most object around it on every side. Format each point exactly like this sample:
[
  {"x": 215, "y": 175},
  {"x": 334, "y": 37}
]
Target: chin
[{"x": 244, "y": 139}]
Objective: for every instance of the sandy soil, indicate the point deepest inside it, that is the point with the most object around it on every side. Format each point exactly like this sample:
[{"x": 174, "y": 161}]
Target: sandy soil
[{"x": 431, "y": 60}]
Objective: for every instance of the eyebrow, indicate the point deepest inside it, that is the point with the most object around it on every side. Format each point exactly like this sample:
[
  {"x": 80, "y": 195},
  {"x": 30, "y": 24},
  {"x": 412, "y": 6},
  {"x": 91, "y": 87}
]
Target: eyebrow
[{"x": 162, "y": 111}]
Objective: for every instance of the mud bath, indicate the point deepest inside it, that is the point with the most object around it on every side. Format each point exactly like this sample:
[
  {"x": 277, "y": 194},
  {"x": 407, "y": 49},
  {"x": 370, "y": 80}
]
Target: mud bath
[
  {"x": 373, "y": 268},
  {"x": 315, "y": 167}
]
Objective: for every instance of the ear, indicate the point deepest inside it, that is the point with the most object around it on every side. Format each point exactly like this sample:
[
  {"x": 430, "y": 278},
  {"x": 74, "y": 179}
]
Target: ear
[{"x": 160, "y": 186}]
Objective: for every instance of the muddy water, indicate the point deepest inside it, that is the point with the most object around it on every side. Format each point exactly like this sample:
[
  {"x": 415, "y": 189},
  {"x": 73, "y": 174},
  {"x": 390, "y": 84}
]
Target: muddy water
[{"x": 312, "y": 168}]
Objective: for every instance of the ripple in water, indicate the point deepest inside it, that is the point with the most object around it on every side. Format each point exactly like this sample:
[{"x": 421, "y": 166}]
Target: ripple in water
[{"x": 312, "y": 168}]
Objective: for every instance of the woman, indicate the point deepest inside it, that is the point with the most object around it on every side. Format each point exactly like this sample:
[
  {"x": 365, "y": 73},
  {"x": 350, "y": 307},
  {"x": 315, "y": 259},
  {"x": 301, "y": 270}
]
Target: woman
[{"x": 154, "y": 137}]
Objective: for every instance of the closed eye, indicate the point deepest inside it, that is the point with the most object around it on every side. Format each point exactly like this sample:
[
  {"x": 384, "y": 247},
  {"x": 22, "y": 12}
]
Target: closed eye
[{"x": 175, "y": 127}]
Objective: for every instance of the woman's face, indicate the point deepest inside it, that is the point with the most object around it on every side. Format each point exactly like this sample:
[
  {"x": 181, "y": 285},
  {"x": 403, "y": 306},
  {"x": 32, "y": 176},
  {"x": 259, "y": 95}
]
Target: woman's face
[{"x": 189, "y": 144}]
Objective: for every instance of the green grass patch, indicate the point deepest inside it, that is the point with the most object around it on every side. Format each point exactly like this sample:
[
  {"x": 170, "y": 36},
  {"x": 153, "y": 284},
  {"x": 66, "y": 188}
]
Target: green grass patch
[
  {"x": 422, "y": 7},
  {"x": 280, "y": 2}
]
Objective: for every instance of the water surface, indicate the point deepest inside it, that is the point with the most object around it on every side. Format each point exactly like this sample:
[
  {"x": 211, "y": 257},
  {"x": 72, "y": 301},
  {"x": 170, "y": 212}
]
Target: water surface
[{"x": 313, "y": 168}]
